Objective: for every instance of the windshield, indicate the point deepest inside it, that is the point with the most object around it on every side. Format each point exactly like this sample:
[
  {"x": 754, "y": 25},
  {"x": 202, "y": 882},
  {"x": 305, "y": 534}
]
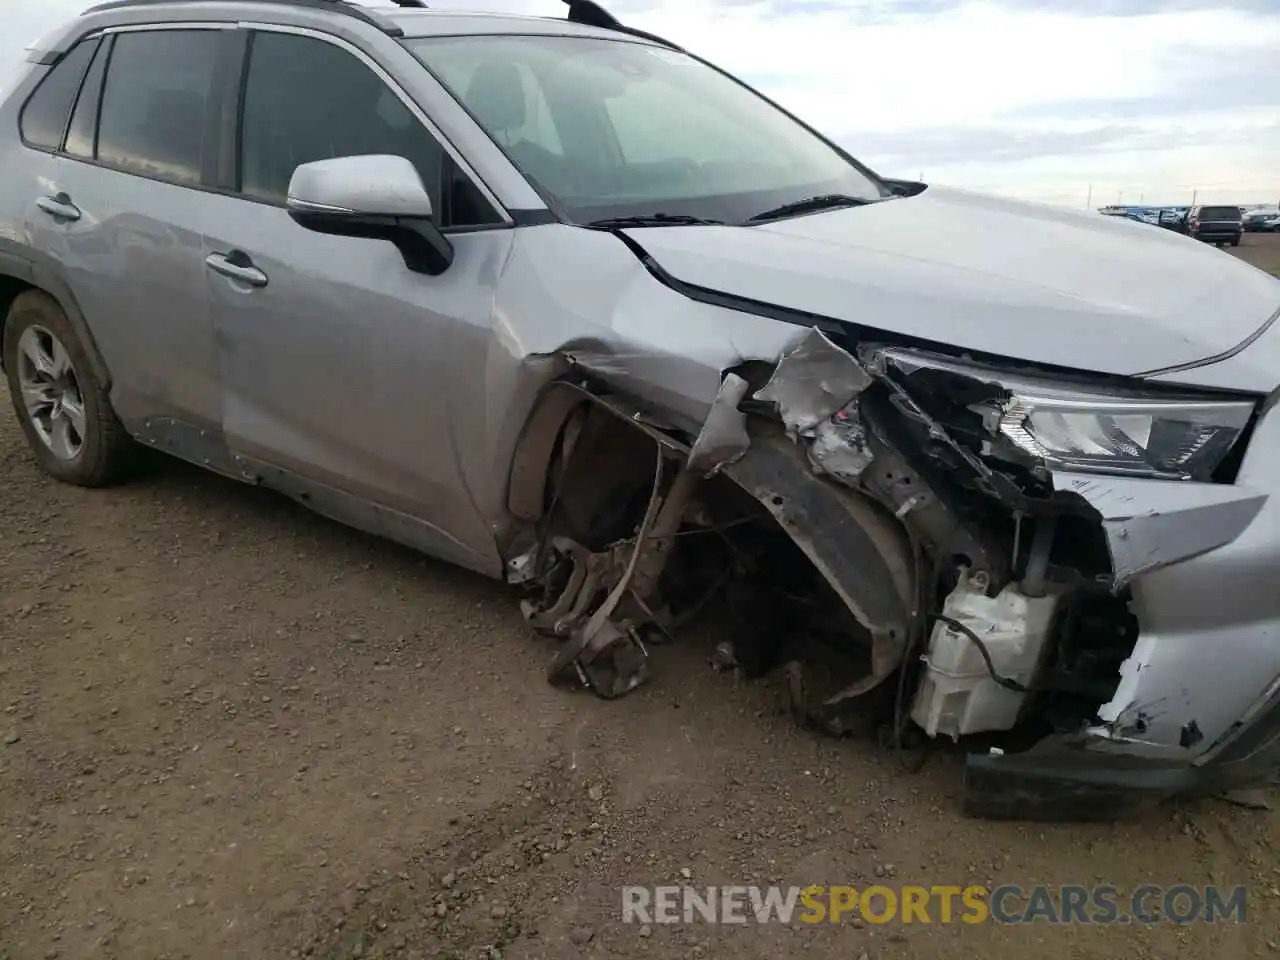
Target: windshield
[{"x": 611, "y": 128}]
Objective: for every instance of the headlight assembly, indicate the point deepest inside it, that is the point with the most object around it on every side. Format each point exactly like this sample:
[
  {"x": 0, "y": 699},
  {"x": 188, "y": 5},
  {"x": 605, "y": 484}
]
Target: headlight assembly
[
  {"x": 1098, "y": 430},
  {"x": 1183, "y": 440}
]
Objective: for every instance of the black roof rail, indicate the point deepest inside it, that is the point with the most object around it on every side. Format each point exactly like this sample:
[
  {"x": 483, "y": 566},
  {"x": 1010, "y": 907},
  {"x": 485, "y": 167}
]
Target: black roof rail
[
  {"x": 330, "y": 6},
  {"x": 591, "y": 14}
]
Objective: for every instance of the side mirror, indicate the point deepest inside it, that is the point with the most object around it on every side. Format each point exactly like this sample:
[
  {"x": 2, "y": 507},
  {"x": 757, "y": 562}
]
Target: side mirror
[{"x": 376, "y": 197}]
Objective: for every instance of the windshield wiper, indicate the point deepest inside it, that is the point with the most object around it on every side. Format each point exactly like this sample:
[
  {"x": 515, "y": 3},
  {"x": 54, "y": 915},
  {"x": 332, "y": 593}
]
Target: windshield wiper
[
  {"x": 652, "y": 220},
  {"x": 825, "y": 201}
]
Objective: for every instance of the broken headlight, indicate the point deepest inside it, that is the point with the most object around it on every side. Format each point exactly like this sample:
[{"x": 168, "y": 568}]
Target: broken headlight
[
  {"x": 1173, "y": 439},
  {"x": 1082, "y": 427}
]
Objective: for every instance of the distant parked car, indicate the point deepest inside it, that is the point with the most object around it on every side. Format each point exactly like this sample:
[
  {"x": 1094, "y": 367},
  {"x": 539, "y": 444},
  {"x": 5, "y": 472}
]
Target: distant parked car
[
  {"x": 1175, "y": 220},
  {"x": 1269, "y": 225},
  {"x": 1255, "y": 220},
  {"x": 1216, "y": 225}
]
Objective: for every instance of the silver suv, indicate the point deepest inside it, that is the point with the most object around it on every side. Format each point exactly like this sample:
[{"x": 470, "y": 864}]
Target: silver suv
[{"x": 562, "y": 303}]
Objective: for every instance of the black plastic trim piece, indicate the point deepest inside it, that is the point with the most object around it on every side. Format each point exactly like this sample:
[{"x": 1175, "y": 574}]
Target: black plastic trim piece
[
  {"x": 533, "y": 217},
  {"x": 591, "y": 14},
  {"x": 220, "y": 117},
  {"x": 98, "y": 88},
  {"x": 230, "y": 77}
]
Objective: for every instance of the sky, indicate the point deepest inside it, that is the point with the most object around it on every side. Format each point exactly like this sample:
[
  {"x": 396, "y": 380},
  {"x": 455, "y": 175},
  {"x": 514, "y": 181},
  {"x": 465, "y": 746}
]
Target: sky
[{"x": 1076, "y": 102}]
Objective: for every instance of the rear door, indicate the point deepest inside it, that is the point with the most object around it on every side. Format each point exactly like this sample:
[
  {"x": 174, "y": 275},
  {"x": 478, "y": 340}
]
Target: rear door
[
  {"x": 121, "y": 215},
  {"x": 335, "y": 357}
]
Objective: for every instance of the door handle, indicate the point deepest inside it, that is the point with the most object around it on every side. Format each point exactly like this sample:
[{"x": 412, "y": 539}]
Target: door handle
[
  {"x": 237, "y": 266},
  {"x": 59, "y": 206}
]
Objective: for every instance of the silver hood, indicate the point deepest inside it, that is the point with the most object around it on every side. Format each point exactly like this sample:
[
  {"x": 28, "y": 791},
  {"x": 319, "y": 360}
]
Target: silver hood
[{"x": 981, "y": 273}]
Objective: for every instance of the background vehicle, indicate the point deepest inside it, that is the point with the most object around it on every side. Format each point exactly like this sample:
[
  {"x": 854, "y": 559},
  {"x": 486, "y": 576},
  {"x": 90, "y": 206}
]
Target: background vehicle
[
  {"x": 1174, "y": 219},
  {"x": 1219, "y": 225},
  {"x": 1253, "y": 221}
]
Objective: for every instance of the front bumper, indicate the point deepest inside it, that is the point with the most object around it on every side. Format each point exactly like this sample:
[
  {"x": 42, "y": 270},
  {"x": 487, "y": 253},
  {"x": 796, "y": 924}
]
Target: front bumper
[
  {"x": 1065, "y": 783},
  {"x": 1197, "y": 709}
]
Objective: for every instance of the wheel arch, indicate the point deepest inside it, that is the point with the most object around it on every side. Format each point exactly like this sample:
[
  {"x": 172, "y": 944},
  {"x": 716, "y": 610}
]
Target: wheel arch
[
  {"x": 861, "y": 550},
  {"x": 27, "y": 271}
]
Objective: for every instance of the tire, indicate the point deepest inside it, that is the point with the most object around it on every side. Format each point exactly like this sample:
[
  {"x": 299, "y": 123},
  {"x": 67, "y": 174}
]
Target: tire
[
  {"x": 1235, "y": 242},
  {"x": 38, "y": 328}
]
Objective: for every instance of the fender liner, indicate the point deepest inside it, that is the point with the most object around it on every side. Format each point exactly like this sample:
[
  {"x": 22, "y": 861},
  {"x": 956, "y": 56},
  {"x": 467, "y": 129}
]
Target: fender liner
[{"x": 859, "y": 549}]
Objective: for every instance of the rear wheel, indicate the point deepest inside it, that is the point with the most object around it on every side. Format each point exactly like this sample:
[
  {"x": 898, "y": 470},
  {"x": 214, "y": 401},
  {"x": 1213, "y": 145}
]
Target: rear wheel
[{"x": 64, "y": 411}]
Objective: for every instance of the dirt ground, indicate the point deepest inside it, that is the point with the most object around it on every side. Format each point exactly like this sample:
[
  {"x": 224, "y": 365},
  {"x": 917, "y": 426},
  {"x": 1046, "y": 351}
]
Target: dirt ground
[
  {"x": 1260, "y": 249},
  {"x": 230, "y": 728}
]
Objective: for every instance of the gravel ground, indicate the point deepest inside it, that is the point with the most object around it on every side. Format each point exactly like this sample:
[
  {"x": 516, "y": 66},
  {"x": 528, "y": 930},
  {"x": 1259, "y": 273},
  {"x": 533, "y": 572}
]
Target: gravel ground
[{"x": 230, "y": 728}]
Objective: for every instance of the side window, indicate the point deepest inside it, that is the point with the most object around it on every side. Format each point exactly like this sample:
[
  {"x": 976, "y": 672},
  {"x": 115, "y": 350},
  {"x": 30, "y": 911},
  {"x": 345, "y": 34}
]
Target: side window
[
  {"x": 84, "y": 119},
  {"x": 44, "y": 116},
  {"x": 308, "y": 100},
  {"x": 157, "y": 90}
]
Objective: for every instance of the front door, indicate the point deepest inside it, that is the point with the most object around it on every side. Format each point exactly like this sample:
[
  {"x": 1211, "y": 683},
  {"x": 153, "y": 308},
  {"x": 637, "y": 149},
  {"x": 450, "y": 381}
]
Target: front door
[{"x": 336, "y": 359}]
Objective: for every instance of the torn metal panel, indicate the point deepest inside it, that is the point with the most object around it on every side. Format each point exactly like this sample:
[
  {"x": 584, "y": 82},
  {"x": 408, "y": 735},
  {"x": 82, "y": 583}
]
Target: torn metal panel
[
  {"x": 926, "y": 509},
  {"x": 840, "y": 447},
  {"x": 812, "y": 382},
  {"x": 887, "y": 364},
  {"x": 723, "y": 437},
  {"x": 1153, "y": 523}
]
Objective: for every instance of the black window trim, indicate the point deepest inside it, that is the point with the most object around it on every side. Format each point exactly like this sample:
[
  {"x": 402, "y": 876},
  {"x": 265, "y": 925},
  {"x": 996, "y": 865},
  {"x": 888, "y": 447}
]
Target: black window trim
[
  {"x": 105, "y": 49},
  {"x": 232, "y": 121},
  {"x": 94, "y": 36}
]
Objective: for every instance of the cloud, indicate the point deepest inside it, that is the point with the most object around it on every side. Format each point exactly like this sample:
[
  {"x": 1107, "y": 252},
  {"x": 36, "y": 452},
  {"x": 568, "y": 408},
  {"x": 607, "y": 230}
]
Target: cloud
[
  {"x": 1198, "y": 81},
  {"x": 1127, "y": 8},
  {"x": 1005, "y": 145},
  {"x": 1034, "y": 97}
]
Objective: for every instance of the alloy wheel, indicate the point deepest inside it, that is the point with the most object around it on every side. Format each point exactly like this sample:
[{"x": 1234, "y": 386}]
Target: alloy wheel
[{"x": 51, "y": 392}]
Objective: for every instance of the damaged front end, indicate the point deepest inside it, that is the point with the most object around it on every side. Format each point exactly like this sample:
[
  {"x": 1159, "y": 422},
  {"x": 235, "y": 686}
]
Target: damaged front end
[
  {"x": 638, "y": 530},
  {"x": 878, "y": 512}
]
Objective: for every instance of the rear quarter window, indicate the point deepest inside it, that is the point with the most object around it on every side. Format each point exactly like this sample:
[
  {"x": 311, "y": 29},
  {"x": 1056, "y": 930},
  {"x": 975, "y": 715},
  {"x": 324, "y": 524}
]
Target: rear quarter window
[{"x": 46, "y": 112}]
